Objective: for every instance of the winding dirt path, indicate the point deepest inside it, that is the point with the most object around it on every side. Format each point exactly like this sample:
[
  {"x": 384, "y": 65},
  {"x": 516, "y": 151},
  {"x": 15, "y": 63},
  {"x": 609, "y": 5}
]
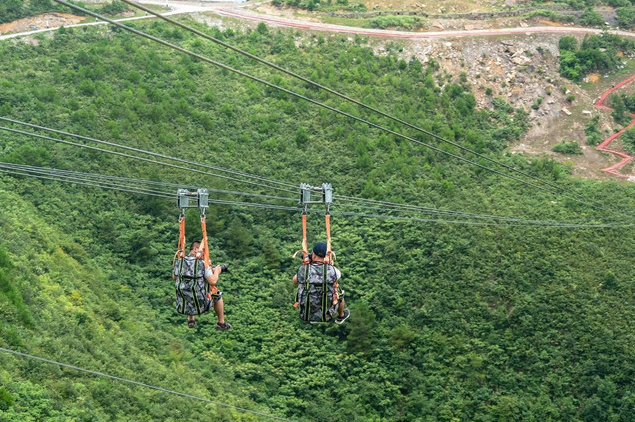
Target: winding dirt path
[
  {"x": 625, "y": 158},
  {"x": 247, "y": 15}
]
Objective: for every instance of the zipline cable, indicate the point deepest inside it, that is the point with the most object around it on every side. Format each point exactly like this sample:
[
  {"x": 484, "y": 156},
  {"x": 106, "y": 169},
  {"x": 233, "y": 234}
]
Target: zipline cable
[
  {"x": 338, "y": 94},
  {"x": 457, "y": 214},
  {"x": 141, "y": 384},
  {"x": 148, "y": 160},
  {"x": 139, "y": 181},
  {"x": 112, "y": 181},
  {"x": 545, "y": 223},
  {"x": 397, "y": 206},
  {"x": 84, "y": 183},
  {"x": 318, "y": 103},
  {"x": 158, "y": 155}
]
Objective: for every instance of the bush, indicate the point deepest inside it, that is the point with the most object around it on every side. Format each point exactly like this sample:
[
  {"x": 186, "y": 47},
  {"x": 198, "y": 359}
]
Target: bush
[
  {"x": 565, "y": 147},
  {"x": 549, "y": 14},
  {"x": 596, "y": 53},
  {"x": 403, "y": 22},
  {"x": 591, "y": 18},
  {"x": 628, "y": 140},
  {"x": 626, "y": 17},
  {"x": 593, "y": 135},
  {"x": 114, "y": 8}
]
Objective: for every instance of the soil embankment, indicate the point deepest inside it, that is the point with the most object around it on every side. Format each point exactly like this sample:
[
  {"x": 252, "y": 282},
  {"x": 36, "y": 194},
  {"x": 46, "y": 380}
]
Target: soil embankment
[{"x": 43, "y": 21}]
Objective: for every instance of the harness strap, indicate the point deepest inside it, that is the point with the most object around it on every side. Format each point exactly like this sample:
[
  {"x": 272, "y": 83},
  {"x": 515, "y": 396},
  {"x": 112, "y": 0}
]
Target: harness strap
[
  {"x": 197, "y": 305},
  {"x": 305, "y": 247},
  {"x": 307, "y": 301},
  {"x": 180, "y": 251},
  {"x": 203, "y": 254},
  {"x": 329, "y": 252},
  {"x": 178, "y": 289},
  {"x": 325, "y": 288}
]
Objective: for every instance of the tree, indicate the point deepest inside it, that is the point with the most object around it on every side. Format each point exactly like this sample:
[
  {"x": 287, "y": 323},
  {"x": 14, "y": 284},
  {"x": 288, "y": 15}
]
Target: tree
[{"x": 568, "y": 43}]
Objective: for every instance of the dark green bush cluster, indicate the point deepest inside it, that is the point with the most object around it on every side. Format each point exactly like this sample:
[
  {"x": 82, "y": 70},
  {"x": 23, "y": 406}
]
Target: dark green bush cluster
[
  {"x": 593, "y": 134},
  {"x": 596, "y": 53},
  {"x": 565, "y": 147},
  {"x": 400, "y": 22}
]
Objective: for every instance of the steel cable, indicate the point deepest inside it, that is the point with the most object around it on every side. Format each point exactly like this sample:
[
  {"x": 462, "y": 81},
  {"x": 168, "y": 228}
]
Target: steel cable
[
  {"x": 148, "y": 160},
  {"x": 141, "y": 384},
  {"x": 155, "y": 154},
  {"x": 343, "y": 213}
]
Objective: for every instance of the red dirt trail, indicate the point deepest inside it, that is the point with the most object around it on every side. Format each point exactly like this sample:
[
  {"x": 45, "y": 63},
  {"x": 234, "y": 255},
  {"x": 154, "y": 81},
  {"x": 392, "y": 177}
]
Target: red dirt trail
[{"x": 625, "y": 158}]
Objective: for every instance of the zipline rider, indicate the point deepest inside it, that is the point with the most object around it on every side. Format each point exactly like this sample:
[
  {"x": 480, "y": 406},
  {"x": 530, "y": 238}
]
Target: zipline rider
[
  {"x": 324, "y": 275},
  {"x": 195, "y": 277},
  {"x": 196, "y": 288}
]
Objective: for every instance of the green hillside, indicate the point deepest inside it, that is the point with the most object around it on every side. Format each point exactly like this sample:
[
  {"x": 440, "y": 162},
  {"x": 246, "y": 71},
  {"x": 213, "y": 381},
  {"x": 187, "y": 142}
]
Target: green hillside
[{"x": 449, "y": 323}]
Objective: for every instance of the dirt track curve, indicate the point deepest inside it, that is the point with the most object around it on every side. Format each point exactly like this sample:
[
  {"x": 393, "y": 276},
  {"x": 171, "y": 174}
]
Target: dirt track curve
[
  {"x": 246, "y": 15},
  {"x": 625, "y": 158}
]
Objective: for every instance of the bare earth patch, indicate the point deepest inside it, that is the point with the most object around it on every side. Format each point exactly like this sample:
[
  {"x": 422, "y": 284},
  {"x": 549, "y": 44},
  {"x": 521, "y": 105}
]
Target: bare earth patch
[{"x": 46, "y": 20}]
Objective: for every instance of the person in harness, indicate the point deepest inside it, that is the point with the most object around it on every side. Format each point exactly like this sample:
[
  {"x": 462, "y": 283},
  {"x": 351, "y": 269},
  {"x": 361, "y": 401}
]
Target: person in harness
[
  {"x": 196, "y": 291},
  {"x": 319, "y": 296}
]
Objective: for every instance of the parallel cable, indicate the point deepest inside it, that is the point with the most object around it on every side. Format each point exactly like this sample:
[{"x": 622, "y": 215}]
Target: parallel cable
[
  {"x": 114, "y": 181},
  {"x": 338, "y": 94},
  {"x": 364, "y": 203},
  {"x": 457, "y": 214},
  {"x": 398, "y": 207},
  {"x": 141, "y": 384},
  {"x": 476, "y": 223},
  {"x": 545, "y": 223},
  {"x": 148, "y": 160},
  {"x": 84, "y": 183},
  {"x": 139, "y": 181},
  {"x": 158, "y": 155},
  {"x": 318, "y": 103}
]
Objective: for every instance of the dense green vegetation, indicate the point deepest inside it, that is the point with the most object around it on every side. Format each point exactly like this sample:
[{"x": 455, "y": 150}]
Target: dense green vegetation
[
  {"x": 626, "y": 17},
  {"x": 550, "y": 14},
  {"x": 11, "y": 10},
  {"x": 449, "y": 323},
  {"x": 596, "y": 53},
  {"x": 325, "y": 6},
  {"x": 586, "y": 4}
]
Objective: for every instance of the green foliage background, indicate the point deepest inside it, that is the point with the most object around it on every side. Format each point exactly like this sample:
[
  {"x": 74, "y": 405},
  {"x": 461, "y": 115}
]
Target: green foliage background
[{"x": 449, "y": 323}]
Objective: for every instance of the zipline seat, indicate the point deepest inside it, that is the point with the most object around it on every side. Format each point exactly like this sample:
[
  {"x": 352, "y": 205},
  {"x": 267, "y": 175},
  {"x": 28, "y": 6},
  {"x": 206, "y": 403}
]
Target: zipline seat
[{"x": 316, "y": 291}]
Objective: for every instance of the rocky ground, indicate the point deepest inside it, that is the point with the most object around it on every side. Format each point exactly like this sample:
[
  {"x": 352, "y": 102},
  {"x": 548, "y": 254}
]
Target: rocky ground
[
  {"x": 46, "y": 20},
  {"x": 524, "y": 71}
]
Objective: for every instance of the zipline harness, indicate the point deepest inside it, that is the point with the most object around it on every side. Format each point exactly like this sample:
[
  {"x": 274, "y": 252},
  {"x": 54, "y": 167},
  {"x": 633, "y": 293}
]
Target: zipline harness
[
  {"x": 200, "y": 200},
  {"x": 327, "y": 200}
]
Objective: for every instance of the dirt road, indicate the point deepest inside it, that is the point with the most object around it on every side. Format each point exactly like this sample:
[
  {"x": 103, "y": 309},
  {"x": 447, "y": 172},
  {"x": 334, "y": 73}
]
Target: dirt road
[
  {"x": 316, "y": 26},
  {"x": 178, "y": 8}
]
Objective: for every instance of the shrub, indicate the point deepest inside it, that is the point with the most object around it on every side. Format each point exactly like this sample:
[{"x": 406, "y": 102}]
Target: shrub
[
  {"x": 565, "y": 147},
  {"x": 591, "y": 18}
]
